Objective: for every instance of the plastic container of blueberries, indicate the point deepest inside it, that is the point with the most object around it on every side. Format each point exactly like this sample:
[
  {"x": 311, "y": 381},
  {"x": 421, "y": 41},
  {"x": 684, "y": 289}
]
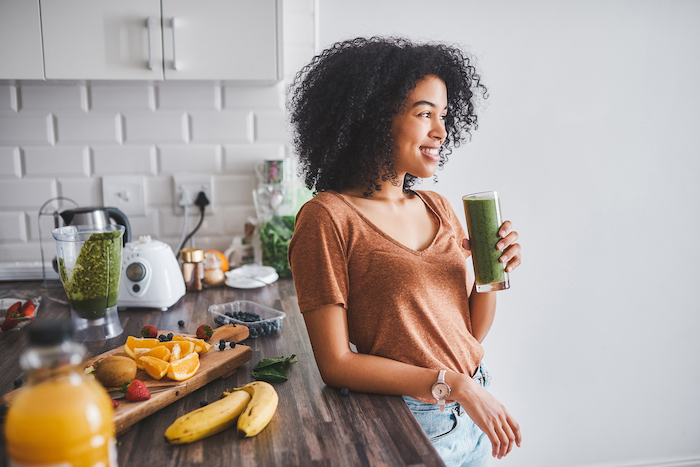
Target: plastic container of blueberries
[{"x": 270, "y": 319}]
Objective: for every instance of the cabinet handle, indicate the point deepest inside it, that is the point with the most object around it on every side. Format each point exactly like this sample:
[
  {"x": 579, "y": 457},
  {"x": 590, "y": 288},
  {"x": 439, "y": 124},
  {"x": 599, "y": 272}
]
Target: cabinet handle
[
  {"x": 173, "y": 28},
  {"x": 150, "y": 54}
]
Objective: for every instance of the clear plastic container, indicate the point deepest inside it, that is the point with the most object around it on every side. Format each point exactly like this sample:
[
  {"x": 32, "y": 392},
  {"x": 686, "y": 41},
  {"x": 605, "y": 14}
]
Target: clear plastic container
[
  {"x": 235, "y": 313},
  {"x": 61, "y": 417}
]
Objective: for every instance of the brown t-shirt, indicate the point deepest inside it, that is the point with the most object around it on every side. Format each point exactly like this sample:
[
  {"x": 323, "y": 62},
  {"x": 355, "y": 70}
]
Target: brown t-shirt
[{"x": 407, "y": 305}]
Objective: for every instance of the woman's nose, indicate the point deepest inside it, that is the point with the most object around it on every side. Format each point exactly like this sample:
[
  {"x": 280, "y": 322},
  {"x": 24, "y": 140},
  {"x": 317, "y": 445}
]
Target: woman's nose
[{"x": 438, "y": 130}]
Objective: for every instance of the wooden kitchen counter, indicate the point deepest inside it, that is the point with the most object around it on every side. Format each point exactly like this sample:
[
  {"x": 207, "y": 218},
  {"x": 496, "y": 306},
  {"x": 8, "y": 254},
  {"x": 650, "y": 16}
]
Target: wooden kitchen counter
[{"x": 314, "y": 424}]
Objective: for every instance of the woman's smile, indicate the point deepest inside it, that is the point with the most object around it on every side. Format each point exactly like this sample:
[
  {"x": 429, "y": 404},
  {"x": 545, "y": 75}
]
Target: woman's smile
[{"x": 431, "y": 153}]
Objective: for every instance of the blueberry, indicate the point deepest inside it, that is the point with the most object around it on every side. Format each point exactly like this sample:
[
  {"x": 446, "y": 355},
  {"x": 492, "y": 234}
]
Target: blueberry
[
  {"x": 181, "y": 323},
  {"x": 18, "y": 382},
  {"x": 232, "y": 344},
  {"x": 203, "y": 403},
  {"x": 170, "y": 336},
  {"x": 222, "y": 341},
  {"x": 222, "y": 345},
  {"x": 345, "y": 392}
]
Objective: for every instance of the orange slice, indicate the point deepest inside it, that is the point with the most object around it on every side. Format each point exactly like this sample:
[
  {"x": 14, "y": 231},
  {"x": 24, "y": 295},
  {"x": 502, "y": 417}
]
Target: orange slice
[
  {"x": 143, "y": 342},
  {"x": 184, "y": 368},
  {"x": 161, "y": 352},
  {"x": 155, "y": 367},
  {"x": 186, "y": 347},
  {"x": 200, "y": 345},
  {"x": 175, "y": 352}
]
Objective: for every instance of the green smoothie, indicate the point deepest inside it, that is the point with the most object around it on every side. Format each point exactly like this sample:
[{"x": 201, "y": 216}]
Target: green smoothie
[
  {"x": 483, "y": 215},
  {"x": 93, "y": 284}
]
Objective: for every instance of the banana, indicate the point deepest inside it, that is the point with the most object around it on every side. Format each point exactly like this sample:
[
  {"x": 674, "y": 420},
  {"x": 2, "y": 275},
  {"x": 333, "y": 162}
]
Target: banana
[
  {"x": 260, "y": 409},
  {"x": 208, "y": 420}
]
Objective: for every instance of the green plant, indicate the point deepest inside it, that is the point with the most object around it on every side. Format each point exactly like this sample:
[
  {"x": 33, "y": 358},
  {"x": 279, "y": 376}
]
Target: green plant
[{"x": 275, "y": 235}]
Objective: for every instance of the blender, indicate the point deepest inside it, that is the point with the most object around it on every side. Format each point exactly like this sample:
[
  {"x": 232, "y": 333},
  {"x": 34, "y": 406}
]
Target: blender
[{"x": 89, "y": 264}]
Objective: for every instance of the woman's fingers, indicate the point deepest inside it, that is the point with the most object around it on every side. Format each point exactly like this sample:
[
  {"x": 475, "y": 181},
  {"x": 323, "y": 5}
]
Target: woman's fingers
[
  {"x": 510, "y": 433},
  {"x": 503, "y": 442},
  {"x": 512, "y": 256},
  {"x": 505, "y": 229},
  {"x": 508, "y": 239},
  {"x": 516, "y": 429},
  {"x": 503, "y": 437},
  {"x": 495, "y": 421},
  {"x": 511, "y": 250}
]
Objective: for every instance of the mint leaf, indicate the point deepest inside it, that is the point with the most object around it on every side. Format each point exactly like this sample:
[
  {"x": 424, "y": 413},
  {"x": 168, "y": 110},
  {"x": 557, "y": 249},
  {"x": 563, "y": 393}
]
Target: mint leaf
[
  {"x": 271, "y": 374},
  {"x": 272, "y": 369},
  {"x": 272, "y": 361}
]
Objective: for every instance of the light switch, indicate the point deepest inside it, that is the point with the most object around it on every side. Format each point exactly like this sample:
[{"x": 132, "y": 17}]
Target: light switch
[{"x": 124, "y": 192}]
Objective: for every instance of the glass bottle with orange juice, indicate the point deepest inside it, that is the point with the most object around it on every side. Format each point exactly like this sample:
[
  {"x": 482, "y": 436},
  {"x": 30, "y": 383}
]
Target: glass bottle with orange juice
[{"x": 60, "y": 417}]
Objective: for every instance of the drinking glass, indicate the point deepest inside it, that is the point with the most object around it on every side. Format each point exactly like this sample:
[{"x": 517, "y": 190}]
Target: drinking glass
[{"x": 483, "y": 213}]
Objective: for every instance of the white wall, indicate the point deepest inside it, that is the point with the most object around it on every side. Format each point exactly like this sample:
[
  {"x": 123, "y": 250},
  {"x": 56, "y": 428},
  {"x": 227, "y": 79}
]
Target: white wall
[{"x": 591, "y": 136}]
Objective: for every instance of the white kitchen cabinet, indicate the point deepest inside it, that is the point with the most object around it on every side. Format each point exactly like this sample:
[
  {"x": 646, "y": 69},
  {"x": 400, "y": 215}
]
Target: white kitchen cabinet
[
  {"x": 190, "y": 40},
  {"x": 222, "y": 39},
  {"x": 102, "y": 39},
  {"x": 20, "y": 40}
]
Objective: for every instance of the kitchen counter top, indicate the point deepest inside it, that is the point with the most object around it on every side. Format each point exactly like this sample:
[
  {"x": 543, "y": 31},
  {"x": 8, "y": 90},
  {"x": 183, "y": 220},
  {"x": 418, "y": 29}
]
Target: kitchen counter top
[{"x": 314, "y": 423}]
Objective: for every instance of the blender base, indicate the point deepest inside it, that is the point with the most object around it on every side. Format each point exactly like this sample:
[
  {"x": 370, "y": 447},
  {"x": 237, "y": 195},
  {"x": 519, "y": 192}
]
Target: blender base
[{"x": 96, "y": 329}]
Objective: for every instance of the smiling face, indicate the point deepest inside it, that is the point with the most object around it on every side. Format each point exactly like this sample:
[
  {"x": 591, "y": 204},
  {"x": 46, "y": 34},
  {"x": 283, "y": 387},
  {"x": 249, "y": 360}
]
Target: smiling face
[{"x": 419, "y": 129}]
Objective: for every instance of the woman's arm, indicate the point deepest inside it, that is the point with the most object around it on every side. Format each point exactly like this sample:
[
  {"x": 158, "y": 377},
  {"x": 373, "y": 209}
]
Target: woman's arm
[
  {"x": 340, "y": 367},
  {"x": 482, "y": 306}
]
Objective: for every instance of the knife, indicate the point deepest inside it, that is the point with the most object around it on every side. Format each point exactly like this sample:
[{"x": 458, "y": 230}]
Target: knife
[{"x": 121, "y": 395}]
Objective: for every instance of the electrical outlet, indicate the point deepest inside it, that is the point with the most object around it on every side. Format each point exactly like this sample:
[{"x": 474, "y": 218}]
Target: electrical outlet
[
  {"x": 186, "y": 187},
  {"x": 124, "y": 192}
]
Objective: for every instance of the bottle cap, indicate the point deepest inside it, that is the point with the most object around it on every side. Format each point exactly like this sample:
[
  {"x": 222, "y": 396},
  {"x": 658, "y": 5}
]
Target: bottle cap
[
  {"x": 50, "y": 332},
  {"x": 192, "y": 255}
]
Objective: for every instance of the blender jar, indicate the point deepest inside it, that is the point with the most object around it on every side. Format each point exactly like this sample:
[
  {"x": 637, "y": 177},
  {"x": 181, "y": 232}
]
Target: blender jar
[{"x": 89, "y": 264}]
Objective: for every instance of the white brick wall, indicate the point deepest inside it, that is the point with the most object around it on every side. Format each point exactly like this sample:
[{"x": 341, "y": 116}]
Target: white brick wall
[{"x": 62, "y": 138}]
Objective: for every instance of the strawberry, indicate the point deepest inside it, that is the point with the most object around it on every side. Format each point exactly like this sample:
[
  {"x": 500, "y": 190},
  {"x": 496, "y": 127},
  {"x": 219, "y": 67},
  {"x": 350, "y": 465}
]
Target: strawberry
[
  {"x": 149, "y": 331},
  {"x": 204, "y": 332},
  {"x": 115, "y": 403},
  {"x": 11, "y": 320},
  {"x": 15, "y": 307},
  {"x": 27, "y": 309},
  {"x": 136, "y": 391}
]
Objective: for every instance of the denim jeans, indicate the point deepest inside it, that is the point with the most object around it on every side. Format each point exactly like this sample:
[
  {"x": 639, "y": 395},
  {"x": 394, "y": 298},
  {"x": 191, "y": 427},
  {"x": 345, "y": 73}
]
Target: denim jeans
[{"x": 454, "y": 435}]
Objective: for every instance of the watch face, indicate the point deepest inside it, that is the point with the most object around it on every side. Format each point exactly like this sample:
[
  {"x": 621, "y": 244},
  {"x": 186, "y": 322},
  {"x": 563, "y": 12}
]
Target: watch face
[{"x": 440, "y": 391}]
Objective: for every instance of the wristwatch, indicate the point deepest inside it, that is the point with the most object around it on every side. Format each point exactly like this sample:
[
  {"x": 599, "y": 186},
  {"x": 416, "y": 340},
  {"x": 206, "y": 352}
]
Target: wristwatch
[{"x": 441, "y": 390}]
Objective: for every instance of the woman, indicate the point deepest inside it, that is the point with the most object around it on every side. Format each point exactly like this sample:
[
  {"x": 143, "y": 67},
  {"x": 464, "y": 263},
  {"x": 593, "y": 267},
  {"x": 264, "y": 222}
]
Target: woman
[{"x": 382, "y": 266}]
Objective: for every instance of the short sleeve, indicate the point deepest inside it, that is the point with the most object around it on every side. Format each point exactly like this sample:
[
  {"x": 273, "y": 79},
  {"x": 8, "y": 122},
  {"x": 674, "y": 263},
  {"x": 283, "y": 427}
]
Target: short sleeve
[{"x": 317, "y": 257}]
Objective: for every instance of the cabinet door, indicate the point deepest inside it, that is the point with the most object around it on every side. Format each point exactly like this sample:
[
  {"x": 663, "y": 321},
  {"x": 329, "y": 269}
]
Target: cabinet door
[
  {"x": 222, "y": 39},
  {"x": 20, "y": 40},
  {"x": 102, "y": 39}
]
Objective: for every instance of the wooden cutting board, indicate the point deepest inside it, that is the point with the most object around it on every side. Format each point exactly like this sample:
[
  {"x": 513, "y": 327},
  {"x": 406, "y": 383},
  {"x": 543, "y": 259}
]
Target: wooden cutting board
[{"x": 213, "y": 364}]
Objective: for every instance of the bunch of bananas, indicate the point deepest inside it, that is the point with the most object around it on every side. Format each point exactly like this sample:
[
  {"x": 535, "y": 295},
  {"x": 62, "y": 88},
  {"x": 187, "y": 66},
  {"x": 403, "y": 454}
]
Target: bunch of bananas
[{"x": 252, "y": 405}]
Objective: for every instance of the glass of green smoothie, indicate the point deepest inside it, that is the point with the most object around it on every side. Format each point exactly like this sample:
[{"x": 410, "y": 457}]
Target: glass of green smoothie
[
  {"x": 89, "y": 264},
  {"x": 483, "y": 212}
]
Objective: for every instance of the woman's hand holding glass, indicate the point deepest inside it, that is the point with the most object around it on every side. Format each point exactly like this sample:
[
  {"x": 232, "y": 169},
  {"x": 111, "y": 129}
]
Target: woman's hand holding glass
[{"x": 511, "y": 249}]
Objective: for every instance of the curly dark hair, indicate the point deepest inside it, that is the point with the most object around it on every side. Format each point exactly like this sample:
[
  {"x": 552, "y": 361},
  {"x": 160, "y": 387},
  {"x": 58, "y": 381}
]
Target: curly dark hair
[{"x": 343, "y": 102}]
